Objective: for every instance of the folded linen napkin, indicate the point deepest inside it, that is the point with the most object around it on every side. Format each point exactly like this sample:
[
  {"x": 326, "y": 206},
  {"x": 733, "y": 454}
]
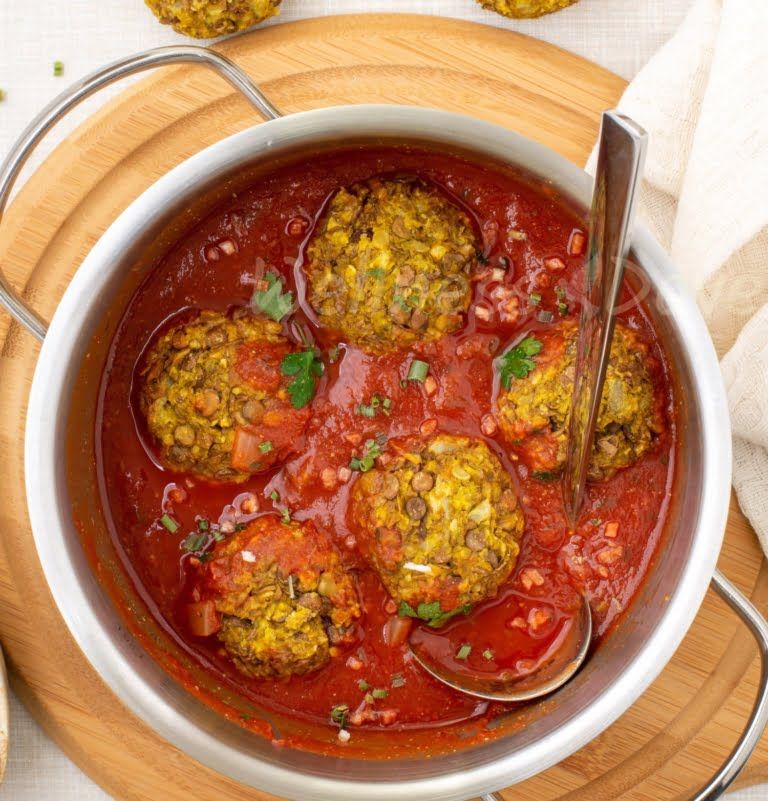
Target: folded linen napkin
[{"x": 703, "y": 98}]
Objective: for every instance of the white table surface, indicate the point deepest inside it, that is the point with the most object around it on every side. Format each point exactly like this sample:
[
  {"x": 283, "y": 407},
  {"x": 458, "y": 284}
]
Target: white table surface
[{"x": 84, "y": 34}]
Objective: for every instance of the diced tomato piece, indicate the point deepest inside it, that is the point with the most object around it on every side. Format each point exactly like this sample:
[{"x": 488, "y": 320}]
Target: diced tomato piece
[{"x": 203, "y": 619}]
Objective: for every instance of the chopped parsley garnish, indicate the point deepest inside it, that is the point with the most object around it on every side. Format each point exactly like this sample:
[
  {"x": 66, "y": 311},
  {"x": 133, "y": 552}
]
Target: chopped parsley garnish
[
  {"x": 273, "y": 301},
  {"x": 398, "y": 680},
  {"x": 432, "y": 613},
  {"x": 534, "y": 298},
  {"x": 371, "y": 450},
  {"x": 203, "y": 524},
  {"x": 418, "y": 370},
  {"x": 377, "y": 403},
  {"x": 363, "y": 685},
  {"x": 266, "y": 446},
  {"x": 518, "y": 361},
  {"x": 306, "y": 366},
  {"x": 274, "y": 496},
  {"x": 488, "y": 654},
  {"x": 169, "y": 523},
  {"x": 58, "y": 68},
  {"x": 339, "y": 714},
  {"x": 379, "y": 692},
  {"x": 464, "y": 651}
]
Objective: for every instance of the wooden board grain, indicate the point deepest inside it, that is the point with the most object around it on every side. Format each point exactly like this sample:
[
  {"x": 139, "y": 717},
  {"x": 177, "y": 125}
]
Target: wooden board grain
[{"x": 686, "y": 723}]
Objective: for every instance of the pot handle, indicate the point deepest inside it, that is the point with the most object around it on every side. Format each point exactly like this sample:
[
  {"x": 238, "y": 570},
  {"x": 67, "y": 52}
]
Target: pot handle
[
  {"x": 10, "y": 300},
  {"x": 750, "y": 737}
]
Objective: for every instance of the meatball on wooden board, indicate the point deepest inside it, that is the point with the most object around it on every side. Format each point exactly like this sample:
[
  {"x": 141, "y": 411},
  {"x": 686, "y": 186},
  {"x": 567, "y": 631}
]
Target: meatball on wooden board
[{"x": 567, "y": 95}]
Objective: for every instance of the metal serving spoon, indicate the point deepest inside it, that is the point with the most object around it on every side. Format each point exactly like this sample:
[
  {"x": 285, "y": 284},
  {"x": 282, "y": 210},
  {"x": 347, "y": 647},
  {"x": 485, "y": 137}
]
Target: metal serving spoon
[{"x": 621, "y": 154}]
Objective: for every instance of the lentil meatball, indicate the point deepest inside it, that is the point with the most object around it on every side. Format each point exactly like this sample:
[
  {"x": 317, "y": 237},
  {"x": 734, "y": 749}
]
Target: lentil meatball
[
  {"x": 389, "y": 264},
  {"x": 534, "y": 413},
  {"x": 522, "y": 9},
  {"x": 215, "y": 399},
  {"x": 284, "y": 598},
  {"x": 204, "y": 19},
  {"x": 440, "y": 522}
]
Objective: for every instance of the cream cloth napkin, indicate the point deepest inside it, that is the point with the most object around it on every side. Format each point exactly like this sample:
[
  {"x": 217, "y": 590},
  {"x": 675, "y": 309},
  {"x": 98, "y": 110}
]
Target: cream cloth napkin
[{"x": 703, "y": 98}]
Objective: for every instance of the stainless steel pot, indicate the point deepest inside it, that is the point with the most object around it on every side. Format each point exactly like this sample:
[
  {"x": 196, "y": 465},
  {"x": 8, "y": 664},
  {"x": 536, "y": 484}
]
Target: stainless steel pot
[{"x": 619, "y": 672}]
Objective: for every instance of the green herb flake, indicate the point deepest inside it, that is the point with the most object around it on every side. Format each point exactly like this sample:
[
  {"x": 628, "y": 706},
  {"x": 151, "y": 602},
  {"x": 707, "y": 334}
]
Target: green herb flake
[
  {"x": 306, "y": 367},
  {"x": 545, "y": 316},
  {"x": 218, "y": 536},
  {"x": 58, "y": 68},
  {"x": 194, "y": 543},
  {"x": 273, "y": 301},
  {"x": 379, "y": 692},
  {"x": 378, "y": 273},
  {"x": 203, "y": 524},
  {"x": 418, "y": 370},
  {"x": 169, "y": 523},
  {"x": 518, "y": 361},
  {"x": 488, "y": 654},
  {"x": 333, "y": 354},
  {"x": 432, "y": 613},
  {"x": 274, "y": 496},
  {"x": 534, "y": 298},
  {"x": 398, "y": 680},
  {"x": 464, "y": 652},
  {"x": 285, "y": 516},
  {"x": 377, "y": 403},
  {"x": 339, "y": 714},
  {"x": 363, "y": 685},
  {"x": 266, "y": 446},
  {"x": 364, "y": 463}
]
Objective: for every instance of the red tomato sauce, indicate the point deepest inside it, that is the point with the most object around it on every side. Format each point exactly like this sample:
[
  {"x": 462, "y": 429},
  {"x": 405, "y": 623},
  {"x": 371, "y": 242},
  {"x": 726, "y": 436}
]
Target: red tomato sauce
[{"x": 607, "y": 555}]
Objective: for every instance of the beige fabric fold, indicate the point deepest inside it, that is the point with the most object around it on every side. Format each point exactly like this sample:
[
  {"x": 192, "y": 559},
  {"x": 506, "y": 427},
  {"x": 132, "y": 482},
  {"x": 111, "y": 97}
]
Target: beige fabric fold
[{"x": 703, "y": 98}]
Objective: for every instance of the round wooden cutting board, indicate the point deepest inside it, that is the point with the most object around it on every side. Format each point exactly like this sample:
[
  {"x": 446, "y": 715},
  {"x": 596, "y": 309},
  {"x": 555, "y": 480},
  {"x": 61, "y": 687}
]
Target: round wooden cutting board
[{"x": 675, "y": 736}]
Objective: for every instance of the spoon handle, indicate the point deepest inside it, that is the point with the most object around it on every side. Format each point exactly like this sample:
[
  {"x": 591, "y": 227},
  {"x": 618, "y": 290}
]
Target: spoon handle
[{"x": 621, "y": 154}]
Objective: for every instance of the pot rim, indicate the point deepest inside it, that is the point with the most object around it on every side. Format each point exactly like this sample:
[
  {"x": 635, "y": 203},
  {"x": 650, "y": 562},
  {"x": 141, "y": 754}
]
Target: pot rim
[{"x": 50, "y": 513}]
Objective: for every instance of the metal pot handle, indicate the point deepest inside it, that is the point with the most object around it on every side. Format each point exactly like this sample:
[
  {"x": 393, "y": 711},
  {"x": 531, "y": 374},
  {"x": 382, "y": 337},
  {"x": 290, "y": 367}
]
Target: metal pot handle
[
  {"x": 750, "y": 737},
  {"x": 10, "y": 300}
]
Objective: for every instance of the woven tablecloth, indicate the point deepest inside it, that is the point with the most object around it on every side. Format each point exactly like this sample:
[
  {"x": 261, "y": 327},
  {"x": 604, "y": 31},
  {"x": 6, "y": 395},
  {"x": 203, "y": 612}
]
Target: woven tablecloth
[{"x": 83, "y": 34}]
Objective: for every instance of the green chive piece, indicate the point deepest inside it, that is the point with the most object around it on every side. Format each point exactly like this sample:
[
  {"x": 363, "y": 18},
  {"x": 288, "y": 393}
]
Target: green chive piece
[
  {"x": 339, "y": 714},
  {"x": 398, "y": 680},
  {"x": 266, "y": 447},
  {"x": 169, "y": 523},
  {"x": 274, "y": 495},
  {"x": 488, "y": 654},
  {"x": 418, "y": 370},
  {"x": 203, "y": 525},
  {"x": 285, "y": 516},
  {"x": 534, "y": 298},
  {"x": 380, "y": 692},
  {"x": 58, "y": 68},
  {"x": 363, "y": 685},
  {"x": 464, "y": 651}
]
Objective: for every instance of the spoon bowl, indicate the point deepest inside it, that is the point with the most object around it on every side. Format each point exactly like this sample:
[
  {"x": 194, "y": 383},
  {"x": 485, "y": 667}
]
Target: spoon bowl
[{"x": 565, "y": 657}]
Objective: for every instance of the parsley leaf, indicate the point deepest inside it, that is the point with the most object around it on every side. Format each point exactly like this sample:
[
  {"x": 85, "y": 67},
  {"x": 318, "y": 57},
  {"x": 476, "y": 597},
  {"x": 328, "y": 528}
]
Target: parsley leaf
[
  {"x": 517, "y": 361},
  {"x": 306, "y": 366},
  {"x": 273, "y": 301},
  {"x": 432, "y": 612}
]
